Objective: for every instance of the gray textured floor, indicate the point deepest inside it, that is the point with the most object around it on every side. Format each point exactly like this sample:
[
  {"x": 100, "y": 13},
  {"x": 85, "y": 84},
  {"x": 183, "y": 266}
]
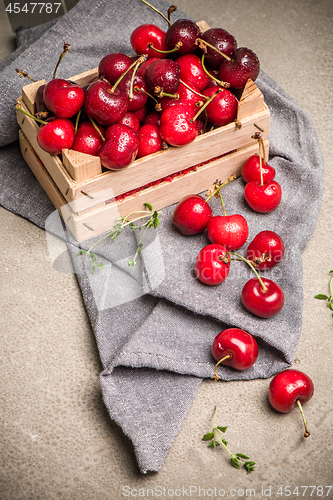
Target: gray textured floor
[{"x": 57, "y": 439}]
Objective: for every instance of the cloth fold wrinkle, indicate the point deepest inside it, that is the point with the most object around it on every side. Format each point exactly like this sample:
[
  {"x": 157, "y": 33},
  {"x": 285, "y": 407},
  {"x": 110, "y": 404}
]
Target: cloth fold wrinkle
[{"x": 142, "y": 327}]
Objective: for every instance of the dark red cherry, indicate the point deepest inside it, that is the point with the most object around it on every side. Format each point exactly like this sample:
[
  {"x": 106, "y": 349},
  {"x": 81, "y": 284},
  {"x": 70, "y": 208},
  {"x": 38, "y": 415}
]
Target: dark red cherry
[
  {"x": 141, "y": 113},
  {"x": 212, "y": 264},
  {"x": 42, "y": 111},
  {"x": 87, "y": 139},
  {"x": 131, "y": 120},
  {"x": 263, "y": 303},
  {"x": 192, "y": 215},
  {"x": 120, "y": 147},
  {"x": 223, "y": 41},
  {"x": 251, "y": 170},
  {"x": 138, "y": 99},
  {"x": 223, "y": 108},
  {"x": 265, "y": 250},
  {"x": 107, "y": 106},
  {"x": 56, "y": 135},
  {"x": 149, "y": 34},
  {"x": 113, "y": 65},
  {"x": 142, "y": 68},
  {"x": 244, "y": 64},
  {"x": 184, "y": 96},
  {"x": 63, "y": 98},
  {"x": 150, "y": 140},
  {"x": 164, "y": 74},
  {"x": 177, "y": 126},
  {"x": 192, "y": 72},
  {"x": 152, "y": 118},
  {"x": 186, "y": 32}
]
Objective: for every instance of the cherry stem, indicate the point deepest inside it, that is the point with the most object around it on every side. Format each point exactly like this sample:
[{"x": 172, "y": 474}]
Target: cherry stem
[
  {"x": 66, "y": 48},
  {"x": 219, "y": 82},
  {"x": 96, "y": 128},
  {"x": 160, "y": 93},
  {"x": 219, "y": 186},
  {"x": 194, "y": 91},
  {"x": 138, "y": 89},
  {"x": 176, "y": 47},
  {"x": 171, "y": 9},
  {"x": 31, "y": 116},
  {"x": 264, "y": 288},
  {"x": 24, "y": 74},
  {"x": 77, "y": 120},
  {"x": 228, "y": 356},
  {"x": 136, "y": 64},
  {"x": 158, "y": 12},
  {"x": 306, "y": 433},
  {"x": 203, "y": 45},
  {"x": 205, "y": 105}
]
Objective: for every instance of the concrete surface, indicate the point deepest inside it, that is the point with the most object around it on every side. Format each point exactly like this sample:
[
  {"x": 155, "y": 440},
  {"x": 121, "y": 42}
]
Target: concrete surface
[{"x": 57, "y": 439}]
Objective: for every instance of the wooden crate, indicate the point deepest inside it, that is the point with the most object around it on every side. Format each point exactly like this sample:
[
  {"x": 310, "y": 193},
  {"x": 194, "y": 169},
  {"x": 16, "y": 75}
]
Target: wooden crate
[{"x": 89, "y": 199}]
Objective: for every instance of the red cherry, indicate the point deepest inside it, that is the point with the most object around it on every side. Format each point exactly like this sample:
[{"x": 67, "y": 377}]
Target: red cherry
[
  {"x": 141, "y": 113},
  {"x": 142, "y": 68},
  {"x": 192, "y": 72},
  {"x": 150, "y": 140},
  {"x": 146, "y": 34},
  {"x": 63, "y": 98},
  {"x": 244, "y": 64},
  {"x": 265, "y": 250},
  {"x": 223, "y": 108},
  {"x": 192, "y": 214},
  {"x": 152, "y": 118},
  {"x": 212, "y": 264},
  {"x": 263, "y": 303},
  {"x": 104, "y": 104},
  {"x": 236, "y": 348},
  {"x": 56, "y": 135},
  {"x": 228, "y": 230},
  {"x": 251, "y": 170},
  {"x": 223, "y": 41},
  {"x": 288, "y": 389},
  {"x": 185, "y": 96},
  {"x": 177, "y": 126},
  {"x": 113, "y": 65},
  {"x": 263, "y": 198},
  {"x": 87, "y": 139},
  {"x": 163, "y": 74},
  {"x": 42, "y": 111},
  {"x": 138, "y": 99},
  {"x": 185, "y": 31},
  {"x": 131, "y": 120},
  {"x": 120, "y": 148}
]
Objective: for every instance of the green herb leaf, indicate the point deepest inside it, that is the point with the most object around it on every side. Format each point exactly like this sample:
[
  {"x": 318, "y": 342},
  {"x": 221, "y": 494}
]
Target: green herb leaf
[
  {"x": 321, "y": 296},
  {"x": 208, "y": 436},
  {"x": 240, "y": 455},
  {"x": 222, "y": 429},
  {"x": 149, "y": 206},
  {"x": 235, "y": 463}
]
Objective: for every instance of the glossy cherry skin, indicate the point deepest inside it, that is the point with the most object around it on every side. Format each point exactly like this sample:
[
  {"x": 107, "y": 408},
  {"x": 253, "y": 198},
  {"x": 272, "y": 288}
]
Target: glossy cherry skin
[
  {"x": 251, "y": 170},
  {"x": 265, "y": 250},
  {"x": 120, "y": 148},
  {"x": 192, "y": 72},
  {"x": 192, "y": 215},
  {"x": 185, "y": 96},
  {"x": 263, "y": 304},
  {"x": 56, "y": 135},
  {"x": 42, "y": 111},
  {"x": 223, "y": 41},
  {"x": 87, "y": 139},
  {"x": 141, "y": 113},
  {"x": 150, "y": 140},
  {"x": 244, "y": 64},
  {"x": 164, "y": 74},
  {"x": 142, "y": 68},
  {"x": 223, "y": 108},
  {"x": 63, "y": 98},
  {"x": 177, "y": 126},
  {"x": 145, "y": 34},
  {"x": 239, "y": 345},
  {"x": 263, "y": 198},
  {"x": 212, "y": 264},
  {"x": 287, "y": 387},
  {"x": 131, "y": 120},
  {"x": 152, "y": 118},
  {"x": 107, "y": 106},
  {"x": 113, "y": 65},
  {"x": 184, "y": 31},
  {"x": 138, "y": 99},
  {"x": 228, "y": 230}
]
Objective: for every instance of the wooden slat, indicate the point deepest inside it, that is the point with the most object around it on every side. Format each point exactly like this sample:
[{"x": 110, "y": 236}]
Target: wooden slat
[{"x": 80, "y": 166}]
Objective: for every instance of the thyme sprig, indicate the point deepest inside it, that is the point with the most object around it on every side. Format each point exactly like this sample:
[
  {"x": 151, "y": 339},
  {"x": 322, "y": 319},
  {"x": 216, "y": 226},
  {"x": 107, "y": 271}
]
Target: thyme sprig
[
  {"x": 216, "y": 439},
  {"x": 122, "y": 222},
  {"x": 329, "y": 299}
]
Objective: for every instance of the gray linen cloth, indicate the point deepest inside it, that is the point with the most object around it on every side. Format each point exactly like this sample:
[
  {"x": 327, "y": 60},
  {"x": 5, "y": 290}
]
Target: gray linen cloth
[{"x": 154, "y": 323}]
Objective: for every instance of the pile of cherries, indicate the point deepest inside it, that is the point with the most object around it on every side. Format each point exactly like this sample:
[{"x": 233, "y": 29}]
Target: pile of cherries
[
  {"x": 179, "y": 83},
  {"x": 262, "y": 297}
]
